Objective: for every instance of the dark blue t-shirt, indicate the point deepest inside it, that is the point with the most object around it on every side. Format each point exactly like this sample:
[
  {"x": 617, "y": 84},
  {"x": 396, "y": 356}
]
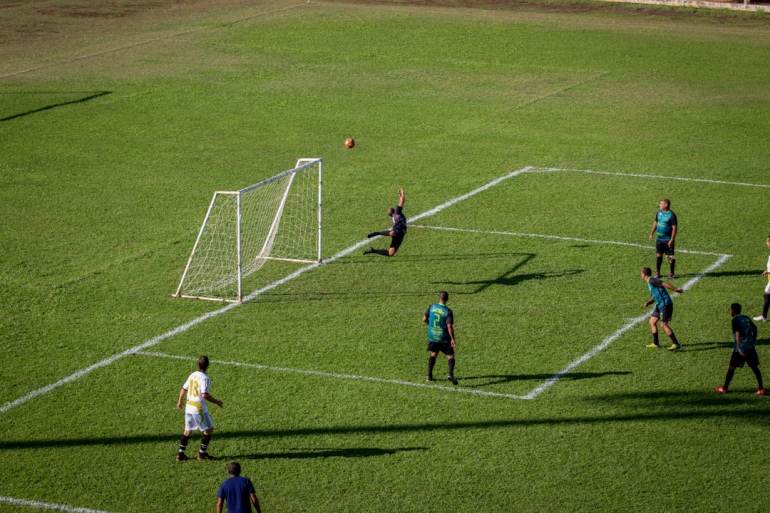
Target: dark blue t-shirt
[{"x": 235, "y": 490}]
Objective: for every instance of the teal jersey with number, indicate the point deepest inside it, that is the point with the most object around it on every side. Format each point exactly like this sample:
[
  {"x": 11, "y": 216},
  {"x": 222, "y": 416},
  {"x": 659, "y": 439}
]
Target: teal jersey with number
[
  {"x": 666, "y": 222},
  {"x": 748, "y": 330},
  {"x": 659, "y": 293},
  {"x": 438, "y": 318}
]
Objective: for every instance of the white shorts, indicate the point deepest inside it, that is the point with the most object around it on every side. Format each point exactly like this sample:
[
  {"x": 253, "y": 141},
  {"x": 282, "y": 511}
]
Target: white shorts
[{"x": 200, "y": 422}]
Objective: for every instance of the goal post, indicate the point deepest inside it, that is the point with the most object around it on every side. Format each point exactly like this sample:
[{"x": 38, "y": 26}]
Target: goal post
[{"x": 277, "y": 219}]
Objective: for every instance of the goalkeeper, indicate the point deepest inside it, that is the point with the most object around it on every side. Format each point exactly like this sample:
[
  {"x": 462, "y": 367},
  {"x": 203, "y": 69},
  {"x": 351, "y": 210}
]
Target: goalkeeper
[{"x": 396, "y": 233}]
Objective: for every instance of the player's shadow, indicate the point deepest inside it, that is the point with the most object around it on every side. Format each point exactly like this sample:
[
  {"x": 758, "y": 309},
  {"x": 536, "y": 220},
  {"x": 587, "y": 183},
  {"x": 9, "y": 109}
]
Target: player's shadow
[
  {"x": 498, "y": 379},
  {"x": 90, "y": 97},
  {"x": 301, "y": 454},
  {"x": 722, "y": 274},
  {"x": 430, "y": 257},
  {"x": 722, "y": 345}
]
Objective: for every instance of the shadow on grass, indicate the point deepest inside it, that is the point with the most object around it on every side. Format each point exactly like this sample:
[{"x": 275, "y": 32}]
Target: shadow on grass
[
  {"x": 405, "y": 258},
  {"x": 362, "y": 452},
  {"x": 740, "y": 406},
  {"x": 90, "y": 96},
  {"x": 508, "y": 378},
  {"x": 722, "y": 274},
  {"x": 722, "y": 346}
]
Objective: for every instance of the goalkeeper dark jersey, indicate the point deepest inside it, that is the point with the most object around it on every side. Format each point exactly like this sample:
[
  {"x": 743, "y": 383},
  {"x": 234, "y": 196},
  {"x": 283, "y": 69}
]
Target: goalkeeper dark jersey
[
  {"x": 439, "y": 316},
  {"x": 748, "y": 330},
  {"x": 399, "y": 221}
]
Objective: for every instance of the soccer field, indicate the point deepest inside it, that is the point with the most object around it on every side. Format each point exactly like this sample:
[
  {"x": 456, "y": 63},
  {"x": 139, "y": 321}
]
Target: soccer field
[{"x": 533, "y": 144}]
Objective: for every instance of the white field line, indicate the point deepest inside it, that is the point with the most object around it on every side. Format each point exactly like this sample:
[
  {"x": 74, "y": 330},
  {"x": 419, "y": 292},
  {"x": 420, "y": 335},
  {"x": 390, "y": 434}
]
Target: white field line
[
  {"x": 46, "y": 505},
  {"x": 635, "y": 175},
  {"x": 609, "y": 340},
  {"x": 184, "y": 327},
  {"x": 558, "y": 237},
  {"x": 338, "y": 376}
]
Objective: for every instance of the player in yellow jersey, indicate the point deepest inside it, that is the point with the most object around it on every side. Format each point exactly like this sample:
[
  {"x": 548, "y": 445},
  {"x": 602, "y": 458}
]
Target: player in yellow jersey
[{"x": 196, "y": 414}]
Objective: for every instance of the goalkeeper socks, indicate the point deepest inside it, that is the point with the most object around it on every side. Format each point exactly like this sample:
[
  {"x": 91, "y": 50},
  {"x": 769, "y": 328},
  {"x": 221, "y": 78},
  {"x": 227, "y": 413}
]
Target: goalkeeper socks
[
  {"x": 431, "y": 363},
  {"x": 451, "y": 363},
  {"x": 183, "y": 444},
  {"x": 729, "y": 377},
  {"x": 383, "y": 252},
  {"x": 673, "y": 338},
  {"x": 384, "y": 233},
  {"x": 205, "y": 443},
  {"x": 759, "y": 377},
  {"x": 767, "y": 305},
  {"x": 655, "y": 339},
  {"x": 658, "y": 261}
]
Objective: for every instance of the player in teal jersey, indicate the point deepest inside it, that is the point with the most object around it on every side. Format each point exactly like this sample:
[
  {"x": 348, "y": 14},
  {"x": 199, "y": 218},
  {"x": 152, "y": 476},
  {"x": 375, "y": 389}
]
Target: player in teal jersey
[
  {"x": 744, "y": 350},
  {"x": 664, "y": 308},
  {"x": 664, "y": 228},
  {"x": 441, "y": 335}
]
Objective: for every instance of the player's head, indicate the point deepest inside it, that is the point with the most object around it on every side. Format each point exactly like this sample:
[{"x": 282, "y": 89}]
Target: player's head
[
  {"x": 203, "y": 363},
  {"x": 443, "y": 296},
  {"x": 234, "y": 468},
  {"x": 735, "y": 309},
  {"x": 391, "y": 211},
  {"x": 665, "y": 204},
  {"x": 646, "y": 272},
  {"x": 768, "y": 242}
]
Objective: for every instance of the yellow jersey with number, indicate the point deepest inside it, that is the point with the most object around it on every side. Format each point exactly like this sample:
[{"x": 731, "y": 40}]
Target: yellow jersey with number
[{"x": 197, "y": 385}]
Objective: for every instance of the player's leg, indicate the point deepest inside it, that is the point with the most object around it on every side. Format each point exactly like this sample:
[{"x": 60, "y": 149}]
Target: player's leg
[
  {"x": 736, "y": 360},
  {"x": 384, "y": 233},
  {"x": 671, "y": 261},
  {"x": 753, "y": 362},
  {"x": 665, "y": 317},
  {"x": 765, "y": 306},
  {"x": 660, "y": 249},
  {"x": 654, "y": 328},
  {"x": 208, "y": 426},
  {"x": 451, "y": 362},
  {"x": 190, "y": 424},
  {"x": 431, "y": 363}
]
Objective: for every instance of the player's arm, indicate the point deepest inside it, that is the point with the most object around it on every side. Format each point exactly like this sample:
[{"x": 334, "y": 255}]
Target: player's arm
[
  {"x": 649, "y": 302},
  {"x": 401, "y": 197},
  {"x": 220, "y": 503},
  {"x": 738, "y": 343},
  {"x": 255, "y": 502},
  {"x": 210, "y": 398},
  {"x": 673, "y": 236},
  {"x": 671, "y": 287},
  {"x": 181, "y": 397},
  {"x": 654, "y": 226},
  {"x": 451, "y": 331}
]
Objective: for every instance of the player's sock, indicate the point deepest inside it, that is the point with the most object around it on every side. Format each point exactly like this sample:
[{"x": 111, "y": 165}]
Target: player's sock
[
  {"x": 729, "y": 377},
  {"x": 431, "y": 363},
  {"x": 451, "y": 363},
  {"x": 384, "y": 233},
  {"x": 673, "y": 338},
  {"x": 205, "y": 439},
  {"x": 658, "y": 261},
  {"x": 183, "y": 444},
  {"x": 767, "y": 305},
  {"x": 383, "y": 252},
  {"x": 655, "y": 339},
  {"x": 759, "y": 377},
  {"x": 673, "y": 263}
]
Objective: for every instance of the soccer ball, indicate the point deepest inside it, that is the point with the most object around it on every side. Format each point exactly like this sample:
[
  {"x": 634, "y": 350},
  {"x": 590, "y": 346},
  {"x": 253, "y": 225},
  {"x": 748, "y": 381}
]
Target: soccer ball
[{"x": 349, "y": 143}]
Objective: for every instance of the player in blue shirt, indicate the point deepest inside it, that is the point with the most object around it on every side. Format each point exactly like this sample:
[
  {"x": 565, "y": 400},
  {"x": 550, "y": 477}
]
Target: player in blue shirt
[
  {"x": 744, "y": 350},
  {"x": 396, "y": 233},
  {"x": 664, "y": 308},
  {"x": 237, "y": 492},
  {"x": 441, "y": 335},
  {"x": 664, "y": 228}
]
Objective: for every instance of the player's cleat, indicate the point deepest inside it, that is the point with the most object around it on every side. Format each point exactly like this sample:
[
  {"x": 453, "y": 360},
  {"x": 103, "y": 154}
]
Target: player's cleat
[
  {"x": 657, "y": 275},
  {"x": 760, "y": 318},
  {"x": 653, "y": 346},
  {"x": 368, "y": 251},
  {"x": 674, "y": 347},
  {"x": 202, "y": 456},
  {"x": 182, "y": 457},
  {"x": 452, "y": 379},
  {"x": 373, "y": 234},
  {"x": 721, "y": 389},
  {"x": 430, "y": 378},
  {"x": 760, "y": 391},
  {"x": 671, "y": 276}
]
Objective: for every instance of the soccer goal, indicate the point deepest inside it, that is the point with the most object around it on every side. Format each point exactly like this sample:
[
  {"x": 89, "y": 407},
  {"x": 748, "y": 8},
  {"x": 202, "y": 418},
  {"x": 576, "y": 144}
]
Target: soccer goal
[{"x": 276, "y": 219}]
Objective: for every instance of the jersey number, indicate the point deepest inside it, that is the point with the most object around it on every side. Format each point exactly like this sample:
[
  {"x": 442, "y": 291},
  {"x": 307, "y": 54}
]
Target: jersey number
[{"x": 193, "y": 388}]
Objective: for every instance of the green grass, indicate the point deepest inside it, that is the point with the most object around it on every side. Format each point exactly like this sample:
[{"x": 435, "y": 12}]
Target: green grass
[{"x": 107, "y": 165}]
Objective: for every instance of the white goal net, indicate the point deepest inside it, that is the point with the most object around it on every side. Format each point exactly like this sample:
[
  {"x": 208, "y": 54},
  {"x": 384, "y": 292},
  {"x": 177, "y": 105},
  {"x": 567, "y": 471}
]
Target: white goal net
[{"x": 276, "y": 219}]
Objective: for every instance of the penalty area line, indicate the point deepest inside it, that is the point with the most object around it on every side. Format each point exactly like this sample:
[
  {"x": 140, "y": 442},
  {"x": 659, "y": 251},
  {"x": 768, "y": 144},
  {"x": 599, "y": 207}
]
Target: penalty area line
[
  {"x": 47, "y": 505},
  {"x": 338, "y": 376},
  {"x": 184, "y": 327}
]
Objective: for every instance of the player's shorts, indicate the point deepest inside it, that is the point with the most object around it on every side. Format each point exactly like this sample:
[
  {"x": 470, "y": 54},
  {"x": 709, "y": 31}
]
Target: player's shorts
[
  {"x": 736, "y": 360},
  {"x": 767, "y": 287},
  {"x": 664, "y": 314},
  {"x": 194, "y": 421},
  {"x": 444, "y": 347},
  {"x": 662, "y": 247},
  {"x": 396, "y": 240}
]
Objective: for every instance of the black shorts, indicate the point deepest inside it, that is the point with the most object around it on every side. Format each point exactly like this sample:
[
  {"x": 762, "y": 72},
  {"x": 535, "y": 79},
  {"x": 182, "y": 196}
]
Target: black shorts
[
  {"x": 736, "y": 360},
  {"x": 396, "y": 240},
  {"x": 661, "y": 247},
  {"x": 444, "y": 347},
  {"x": 665, "y": 313}
]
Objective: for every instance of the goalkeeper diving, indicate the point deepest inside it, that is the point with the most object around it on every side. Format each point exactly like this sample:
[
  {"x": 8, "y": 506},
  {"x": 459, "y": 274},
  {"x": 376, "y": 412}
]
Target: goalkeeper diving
[{"x": 396, "y": 233}]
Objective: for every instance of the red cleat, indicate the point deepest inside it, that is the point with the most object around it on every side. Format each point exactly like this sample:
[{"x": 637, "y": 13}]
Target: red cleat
[
  {"x": 721, "y": 389},
  {"x": 760, "y": 391}
]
